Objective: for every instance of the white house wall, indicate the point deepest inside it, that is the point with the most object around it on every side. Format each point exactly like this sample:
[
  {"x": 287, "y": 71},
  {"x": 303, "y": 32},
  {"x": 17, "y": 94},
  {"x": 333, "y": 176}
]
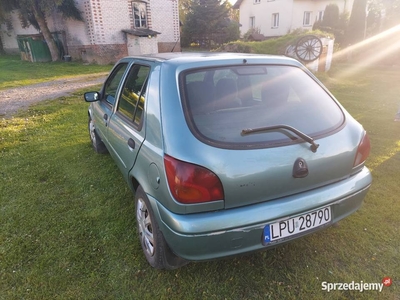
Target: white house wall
[
  {"x": 262, "y": 12},
  {"x": 301, "y": 6},
  {"x": 291, "y": 14},
  {"x": 9, "y": 37}
]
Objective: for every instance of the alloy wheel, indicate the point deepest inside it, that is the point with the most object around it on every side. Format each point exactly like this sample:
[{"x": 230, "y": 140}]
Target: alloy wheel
[{"x": 145, "y": 227}]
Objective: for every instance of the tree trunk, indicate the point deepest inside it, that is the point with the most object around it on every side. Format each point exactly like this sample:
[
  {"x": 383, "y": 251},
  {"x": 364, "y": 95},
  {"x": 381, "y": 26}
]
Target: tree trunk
[
  {"x": 39, "y": 16},
  {"x": 1, "y": 47}
]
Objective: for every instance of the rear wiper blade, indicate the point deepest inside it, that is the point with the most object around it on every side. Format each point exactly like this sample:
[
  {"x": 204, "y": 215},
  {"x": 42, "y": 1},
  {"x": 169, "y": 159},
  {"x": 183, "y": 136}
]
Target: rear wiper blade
[{"x": 304, "y": 136}]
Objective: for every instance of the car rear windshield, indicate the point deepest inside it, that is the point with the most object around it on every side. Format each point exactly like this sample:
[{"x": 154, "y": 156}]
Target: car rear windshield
[{"x": 220, "y": 103}]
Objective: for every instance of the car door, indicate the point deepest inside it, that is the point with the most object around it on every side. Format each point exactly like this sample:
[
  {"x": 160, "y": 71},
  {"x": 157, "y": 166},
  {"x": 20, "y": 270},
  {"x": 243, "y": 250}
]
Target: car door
[
  {"x": 125, "y": 129},
  {"x": 102, "y": 110}
]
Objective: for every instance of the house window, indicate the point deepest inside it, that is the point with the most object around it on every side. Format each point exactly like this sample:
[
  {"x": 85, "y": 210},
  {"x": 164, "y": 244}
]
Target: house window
[
  {"x": 275, "y": 20},
  {"x": 252, "y": 22},
  {"x": 307, "y": 18},
  {"x": 320, "y": 15},
  {"x": 140, "y": 14},
  {"x": 256, "y": 1}
]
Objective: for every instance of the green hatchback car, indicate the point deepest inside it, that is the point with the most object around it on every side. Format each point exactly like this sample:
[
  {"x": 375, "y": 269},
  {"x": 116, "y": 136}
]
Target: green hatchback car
[{"x": 227, "y": 153}]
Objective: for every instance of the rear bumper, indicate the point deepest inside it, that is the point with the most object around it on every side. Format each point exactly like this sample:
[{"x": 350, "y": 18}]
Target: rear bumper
[{"x": 229, "y": 232}]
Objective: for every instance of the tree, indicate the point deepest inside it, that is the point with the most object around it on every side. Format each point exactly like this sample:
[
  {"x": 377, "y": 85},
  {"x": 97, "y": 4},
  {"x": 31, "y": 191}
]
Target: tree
[
  {"x": 184, "y": 9},
  {"x": 207, "y": 22},
  {"x": 1, "y": 47},
  {"x": 392, "y": 13},
  {"x": 34, "y": 12},
  {"x": 331, "y": 16},
  {"x": 374, "y": 18},
  {"x": 330, "y": 21},
  {"x": 333, "y": 22},
  {"x": 356, "y": 29}
]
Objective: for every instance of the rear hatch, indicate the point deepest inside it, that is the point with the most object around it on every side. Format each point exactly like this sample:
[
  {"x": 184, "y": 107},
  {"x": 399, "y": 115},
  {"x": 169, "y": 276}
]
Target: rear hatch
[
  {"x": 269, "y": 131},
  {"x": 255, "y": 176}
]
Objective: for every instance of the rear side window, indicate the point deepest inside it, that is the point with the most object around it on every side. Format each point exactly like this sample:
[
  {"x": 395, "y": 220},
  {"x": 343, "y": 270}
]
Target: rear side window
[
  {"x": 133, "y": 94},
  {"x": 220, "y": 103}
]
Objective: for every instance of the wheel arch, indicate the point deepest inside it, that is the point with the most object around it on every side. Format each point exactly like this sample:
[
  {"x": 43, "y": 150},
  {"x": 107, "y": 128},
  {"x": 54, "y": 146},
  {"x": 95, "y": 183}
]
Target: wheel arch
[{"x": 134, "y": 183}]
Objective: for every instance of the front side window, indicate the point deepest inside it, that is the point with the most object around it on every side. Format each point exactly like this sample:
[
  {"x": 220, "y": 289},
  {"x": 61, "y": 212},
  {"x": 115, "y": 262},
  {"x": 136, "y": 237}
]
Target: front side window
[
  {"x": 111, "y": 86},
  {"x": 133, "y": 94},
  {"x": 275, "y": 20},
  {"x": 139, "y": 14},
  {"x": 221, "y": 103},
  {"x": 307, "y": 18}
]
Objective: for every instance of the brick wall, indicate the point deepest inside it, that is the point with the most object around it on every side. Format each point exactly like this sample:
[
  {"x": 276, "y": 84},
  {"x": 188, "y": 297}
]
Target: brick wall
[
  {"x": 105, "y": 19},
  {"x": 102, "y": 28},
  {"x": 101, "y": 54},
  {"x": 169, "y": 47},
  {"x": 165, "y": 19}
]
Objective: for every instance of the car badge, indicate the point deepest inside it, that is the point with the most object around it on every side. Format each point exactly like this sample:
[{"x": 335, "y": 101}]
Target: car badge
[{"x": 300, "y": 168}]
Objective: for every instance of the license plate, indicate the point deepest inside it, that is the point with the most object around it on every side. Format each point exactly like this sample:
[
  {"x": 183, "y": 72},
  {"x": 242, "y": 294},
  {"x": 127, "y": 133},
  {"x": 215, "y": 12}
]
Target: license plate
[{"x": 296, "y": 225}]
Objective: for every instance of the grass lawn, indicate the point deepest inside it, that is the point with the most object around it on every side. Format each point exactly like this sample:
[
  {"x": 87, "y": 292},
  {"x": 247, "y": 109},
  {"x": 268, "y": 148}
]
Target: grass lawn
[
  {"x": 68, "y": 226},
  {"x": 15, "y": 72}
]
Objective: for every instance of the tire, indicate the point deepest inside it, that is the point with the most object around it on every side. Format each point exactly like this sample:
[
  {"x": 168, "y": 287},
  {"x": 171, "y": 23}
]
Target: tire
[
  {"x": 155, "y": 249},
  {"x": 97, "y": 143}
]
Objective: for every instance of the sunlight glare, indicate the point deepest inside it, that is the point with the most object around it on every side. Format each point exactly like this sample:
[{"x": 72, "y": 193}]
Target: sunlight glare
[{"x": 385, "y": 49}]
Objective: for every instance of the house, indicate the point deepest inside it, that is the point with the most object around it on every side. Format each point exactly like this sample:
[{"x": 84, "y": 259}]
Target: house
[
  {"x": 279, "y": 17},
  {"x": 111, "y": 29}
]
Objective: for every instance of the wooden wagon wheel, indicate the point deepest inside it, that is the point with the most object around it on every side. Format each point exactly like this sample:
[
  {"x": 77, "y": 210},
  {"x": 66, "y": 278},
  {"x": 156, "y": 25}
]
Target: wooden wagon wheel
[{"x": 308, "y": 48}]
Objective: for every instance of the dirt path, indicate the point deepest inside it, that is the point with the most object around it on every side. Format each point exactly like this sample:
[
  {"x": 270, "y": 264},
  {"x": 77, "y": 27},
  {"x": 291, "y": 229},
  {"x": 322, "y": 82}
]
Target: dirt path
[{"x": 12, "y": 100}]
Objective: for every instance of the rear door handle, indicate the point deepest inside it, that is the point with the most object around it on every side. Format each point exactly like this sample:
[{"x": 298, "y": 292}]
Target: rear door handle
[
  {"x": 131, "y": 143},
  {"x": 105, "y": 118}
]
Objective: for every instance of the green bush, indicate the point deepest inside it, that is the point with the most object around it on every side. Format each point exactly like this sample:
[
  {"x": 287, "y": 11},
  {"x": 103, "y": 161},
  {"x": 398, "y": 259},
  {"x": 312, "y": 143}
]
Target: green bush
[{"x": 275, "y": 46}]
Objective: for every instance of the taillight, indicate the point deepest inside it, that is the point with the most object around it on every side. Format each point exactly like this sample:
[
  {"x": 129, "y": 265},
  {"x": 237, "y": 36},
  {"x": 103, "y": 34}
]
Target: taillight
[
  {"x": 363, "y": 150},
  {"x": 191, "y": 183}
]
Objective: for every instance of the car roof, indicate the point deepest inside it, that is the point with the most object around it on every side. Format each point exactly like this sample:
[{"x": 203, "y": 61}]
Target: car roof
[{"x": 190, "y": 57}]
